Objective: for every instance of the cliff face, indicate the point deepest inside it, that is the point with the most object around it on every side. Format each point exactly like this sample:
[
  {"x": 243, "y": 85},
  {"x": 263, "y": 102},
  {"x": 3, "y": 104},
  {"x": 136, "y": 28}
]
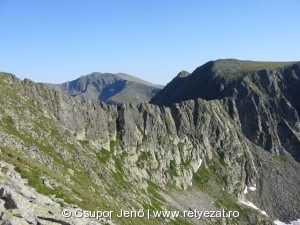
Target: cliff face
[
  {"x": 169, "y": 137},
  {"x": 132, "y": 155},
  {"x": 267, "y": 107},
  {"x": 264, "y": 102}
]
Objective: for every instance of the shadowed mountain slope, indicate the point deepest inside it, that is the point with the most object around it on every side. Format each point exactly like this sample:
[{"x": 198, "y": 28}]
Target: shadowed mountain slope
[
  {"x": 262, "y": 97},
  {"x": 211, "y": 80}
]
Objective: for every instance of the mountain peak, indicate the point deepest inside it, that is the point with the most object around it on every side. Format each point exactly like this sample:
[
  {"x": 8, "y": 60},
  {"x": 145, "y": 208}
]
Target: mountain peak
[
  {"x": 183, "y": 73},
  {"x": 110, "y": 88}
]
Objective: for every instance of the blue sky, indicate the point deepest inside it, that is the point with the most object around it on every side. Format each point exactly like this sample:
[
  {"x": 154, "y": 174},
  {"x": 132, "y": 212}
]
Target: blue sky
[{"x": 60, "y": 40}]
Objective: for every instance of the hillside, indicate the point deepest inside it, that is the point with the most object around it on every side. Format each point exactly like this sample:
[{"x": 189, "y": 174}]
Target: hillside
[
  {"x": 109, "y": 88},
  {"x": 229, "y": 152}
]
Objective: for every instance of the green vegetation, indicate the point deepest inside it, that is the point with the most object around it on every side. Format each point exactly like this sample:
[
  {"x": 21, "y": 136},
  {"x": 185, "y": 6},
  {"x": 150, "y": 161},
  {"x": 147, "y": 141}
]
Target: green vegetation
[
  {"x": 103, "y": 155},
  {"x": 84, "y": 143},
  {"x": 180, "y": 145},
  {"x": 142, "y": 159},
  {"x": 172, "y": 170},
  {"x": 250, "y": 66},
  {"x": 4, "y": 170},
  {"x": 223, "y": 162},
  {"x": 280, "y": 158},
  {"x": 186, "y": 163},
  {"x": 33, "y": 171},
  {"x": 8, "y": 121},
  {"x": 208, "y": 180},
  {"x": 233, "y": 69},
  {"x": 119, "y": 164},
  {"x": 115, "y": 143},
  {"x": 202, "y": 177},
  {"x": 54, "y": 152},
  {"x": 145, "y": 138}
]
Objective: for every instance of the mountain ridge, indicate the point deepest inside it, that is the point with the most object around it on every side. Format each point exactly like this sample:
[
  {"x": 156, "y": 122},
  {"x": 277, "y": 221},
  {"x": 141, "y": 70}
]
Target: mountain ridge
[
  {"x": 268, "y": 92},
  {"x": 143, "y": 155},
  {"x": 210, "y": 79},
  {"x": 110, "y": 88}
]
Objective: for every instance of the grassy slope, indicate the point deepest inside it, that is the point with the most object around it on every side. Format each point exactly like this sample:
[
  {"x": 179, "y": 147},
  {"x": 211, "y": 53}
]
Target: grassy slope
[{"x": 25, "y": 124}]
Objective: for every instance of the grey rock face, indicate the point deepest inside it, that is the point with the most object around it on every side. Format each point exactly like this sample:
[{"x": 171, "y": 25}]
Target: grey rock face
[
  {"x": 170, "y": 136},
  {"x": 262, "y": 102},
  {"x": 268, "y": 110}
]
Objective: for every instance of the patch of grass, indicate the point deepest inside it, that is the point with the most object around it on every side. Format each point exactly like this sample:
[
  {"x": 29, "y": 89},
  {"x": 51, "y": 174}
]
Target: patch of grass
[
  {"x": 142, "y": 158},
  {"x": 84, "y": 142},
  {"x": 71, "y": 146},
  {"x": 4, "y": 169},
  {"x": 186, "y": 163},
  {"x": 145, "y": 138},
  {"x": 229, "y": 203},
  {"x": 202, "y": 177},
  {"x": 233, "y": 69},
  {"x": 32, "y": 171},
  {"x": 81, "y": 181},
  {"x": 34, "y": 181},
  {"x": 172, "y": 169},
  {"x": 222, "y": 162},
  {"x": 9, "y": 125},
  {"x": 116, "y": 143},
  {"x": 119, "y": 164},
  {"x": 180, "y": 145},
  {"x": 213, "y": 166},
  {"x": 54, "y": 132},
  {"x": 156, "y": 199},
  {"x": 211, "y": 174},
  {"x": 280, "y": 158},
  {"x": 209, "y": 182},
  {"x": 172, "y": 172},
  {"x": 103, "y": 155},
  {"x": 8, "y": 121},
  {"x": 119, "y": 174}
]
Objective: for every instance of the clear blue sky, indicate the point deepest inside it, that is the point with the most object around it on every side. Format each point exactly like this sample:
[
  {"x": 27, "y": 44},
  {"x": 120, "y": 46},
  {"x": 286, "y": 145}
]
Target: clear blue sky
[{"x": 60, "y": 40}]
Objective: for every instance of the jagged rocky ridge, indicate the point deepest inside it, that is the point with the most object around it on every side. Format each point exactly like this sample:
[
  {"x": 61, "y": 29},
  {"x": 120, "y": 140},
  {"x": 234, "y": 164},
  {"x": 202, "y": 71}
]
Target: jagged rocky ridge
[
  {"x": 144, "y": 142},
  {"x": 164, "y": 133}
]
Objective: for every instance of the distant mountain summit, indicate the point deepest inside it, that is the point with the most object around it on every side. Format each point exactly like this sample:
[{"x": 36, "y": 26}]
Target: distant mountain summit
[{"x": 110, "y": 88}]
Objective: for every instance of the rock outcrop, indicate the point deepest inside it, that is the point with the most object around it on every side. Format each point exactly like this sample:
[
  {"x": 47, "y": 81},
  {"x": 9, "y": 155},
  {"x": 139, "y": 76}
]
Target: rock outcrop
[{"x": 21, "y": 204}]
